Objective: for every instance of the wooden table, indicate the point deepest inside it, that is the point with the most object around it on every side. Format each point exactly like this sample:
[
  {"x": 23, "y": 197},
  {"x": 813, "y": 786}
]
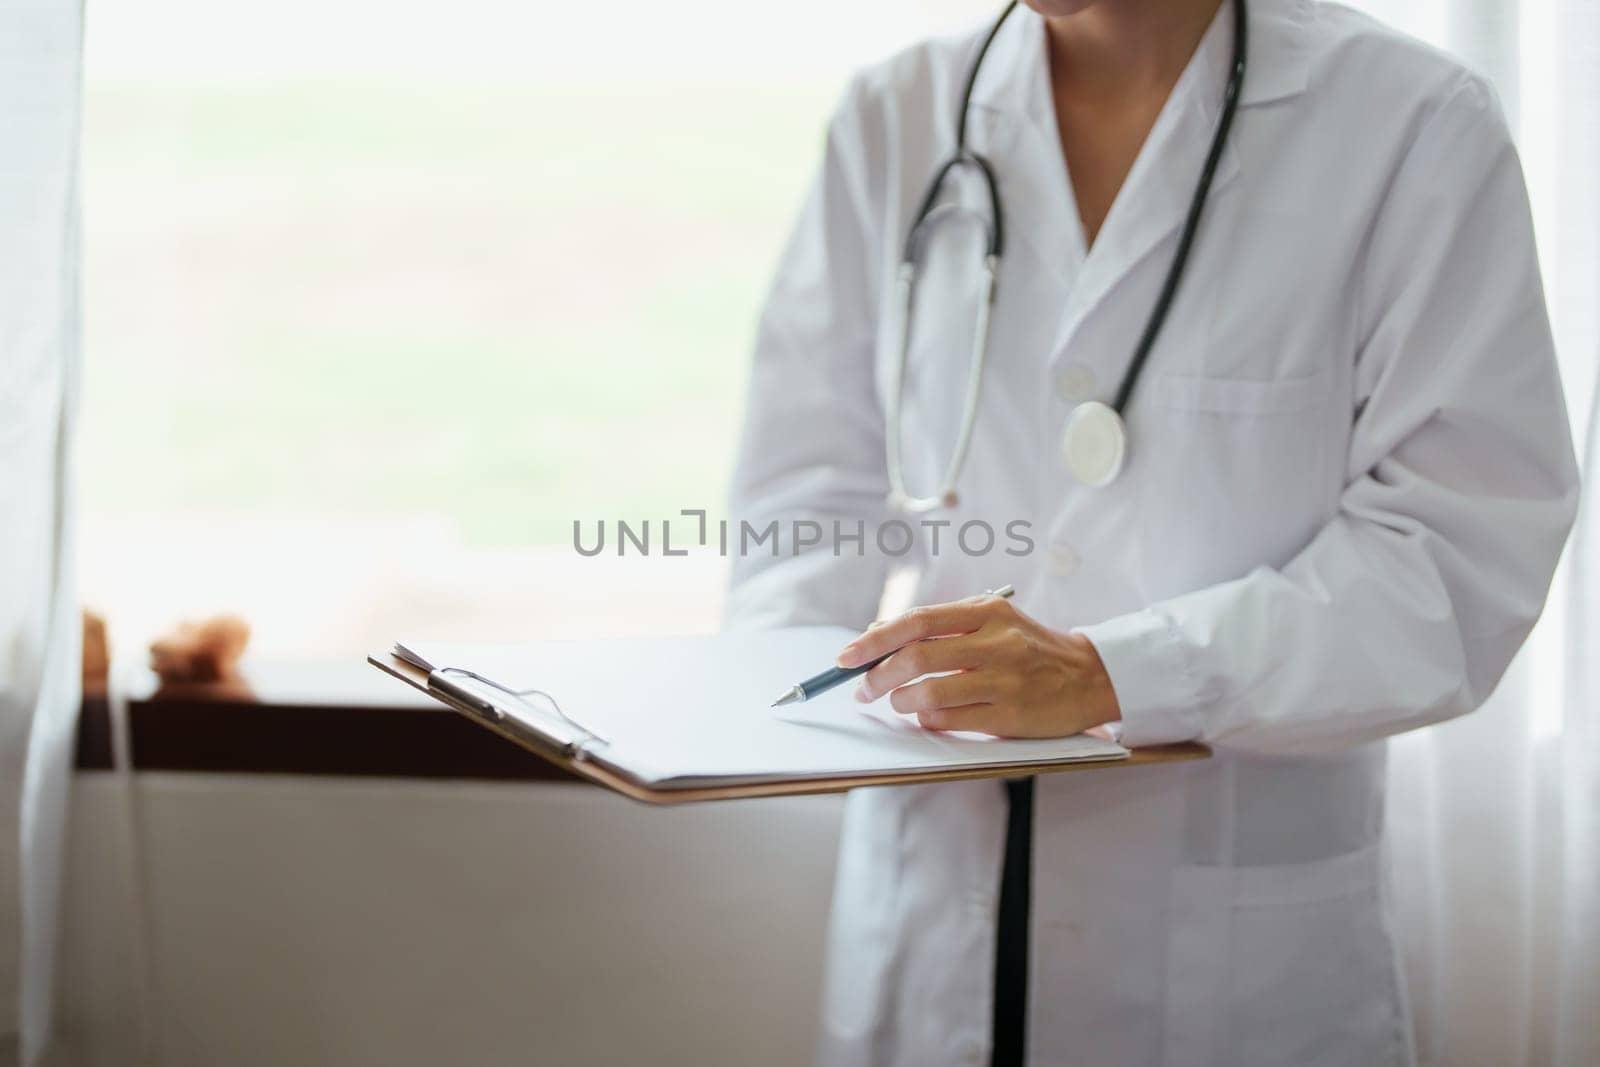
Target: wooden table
[{"x": 325, "y": 717}]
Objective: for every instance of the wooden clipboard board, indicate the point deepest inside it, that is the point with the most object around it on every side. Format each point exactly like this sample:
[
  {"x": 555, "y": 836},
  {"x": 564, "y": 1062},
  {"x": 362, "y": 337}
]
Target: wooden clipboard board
[{"x": 602, "y": 775}]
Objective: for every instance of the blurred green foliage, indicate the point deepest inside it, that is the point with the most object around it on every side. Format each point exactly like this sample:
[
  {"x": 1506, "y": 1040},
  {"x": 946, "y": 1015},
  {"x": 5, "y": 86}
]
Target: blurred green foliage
[{"x": 516, "y": 306}]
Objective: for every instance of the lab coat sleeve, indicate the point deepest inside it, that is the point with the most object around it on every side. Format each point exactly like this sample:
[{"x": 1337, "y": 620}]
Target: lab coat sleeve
[
  {"x": 1408, "y": 605},
  {"x": 812, "y": 450}
]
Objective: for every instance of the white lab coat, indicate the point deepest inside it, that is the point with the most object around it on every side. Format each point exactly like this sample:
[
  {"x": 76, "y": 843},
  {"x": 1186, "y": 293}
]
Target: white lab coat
[{"x": 1348, "y": 481}]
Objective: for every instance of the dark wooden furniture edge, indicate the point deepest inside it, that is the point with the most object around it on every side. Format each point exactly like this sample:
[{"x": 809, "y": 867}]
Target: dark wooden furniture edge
[
  {"x": 276, "y": 723},
  {"x": 322, "y": 718}
]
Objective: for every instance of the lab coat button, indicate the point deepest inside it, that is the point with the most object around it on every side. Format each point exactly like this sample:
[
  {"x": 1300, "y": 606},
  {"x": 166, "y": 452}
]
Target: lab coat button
[
  {"x": 1075, "y": 383},
  {"x": 1064, "y": 560}
]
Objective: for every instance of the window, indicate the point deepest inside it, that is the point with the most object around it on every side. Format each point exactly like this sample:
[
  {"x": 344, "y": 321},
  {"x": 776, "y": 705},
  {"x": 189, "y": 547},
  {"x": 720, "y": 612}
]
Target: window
[{"x": 384, "y": 296}]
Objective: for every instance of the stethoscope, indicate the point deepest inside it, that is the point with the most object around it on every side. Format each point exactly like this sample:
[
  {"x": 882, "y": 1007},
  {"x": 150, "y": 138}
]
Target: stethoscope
[{"x": 1094, "y": 442}]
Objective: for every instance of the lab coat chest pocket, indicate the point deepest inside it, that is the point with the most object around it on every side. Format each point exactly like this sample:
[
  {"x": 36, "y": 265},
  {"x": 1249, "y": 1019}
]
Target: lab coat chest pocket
[
  {"x": 1235, "y": 473},
  {"x": 1286, "y": 964}
]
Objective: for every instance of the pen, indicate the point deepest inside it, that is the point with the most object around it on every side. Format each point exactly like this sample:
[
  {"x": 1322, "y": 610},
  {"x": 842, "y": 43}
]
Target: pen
[{"x": 833, "y": 676}]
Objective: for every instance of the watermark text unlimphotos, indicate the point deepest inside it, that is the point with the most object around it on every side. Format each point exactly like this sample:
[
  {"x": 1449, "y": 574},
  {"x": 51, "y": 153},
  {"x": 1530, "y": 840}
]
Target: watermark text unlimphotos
[{"x": 692, "y": 528}]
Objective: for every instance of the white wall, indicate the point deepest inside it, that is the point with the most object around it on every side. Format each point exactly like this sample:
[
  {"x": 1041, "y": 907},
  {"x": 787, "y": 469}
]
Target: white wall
[{"x": 332, "y": 921}]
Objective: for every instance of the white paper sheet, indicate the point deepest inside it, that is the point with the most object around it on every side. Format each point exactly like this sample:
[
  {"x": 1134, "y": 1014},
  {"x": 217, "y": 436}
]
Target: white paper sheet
[{"x": 695, "y": 710}]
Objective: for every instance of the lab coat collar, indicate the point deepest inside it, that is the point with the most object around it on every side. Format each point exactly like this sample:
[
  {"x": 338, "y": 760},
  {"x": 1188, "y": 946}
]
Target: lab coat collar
[
  {"x": 1017, "y": 70},
  {"x": 1156, "y": 193},
  {"x": 1155, "y": 196}
]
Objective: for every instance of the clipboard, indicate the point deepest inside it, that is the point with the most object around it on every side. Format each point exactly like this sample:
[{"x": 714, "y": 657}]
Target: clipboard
[{"x": 569, "y": 746}]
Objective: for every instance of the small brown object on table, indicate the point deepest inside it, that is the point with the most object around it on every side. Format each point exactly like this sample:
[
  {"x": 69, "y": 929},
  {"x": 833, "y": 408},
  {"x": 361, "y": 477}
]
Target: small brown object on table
[{"x": 204, "y": 651}]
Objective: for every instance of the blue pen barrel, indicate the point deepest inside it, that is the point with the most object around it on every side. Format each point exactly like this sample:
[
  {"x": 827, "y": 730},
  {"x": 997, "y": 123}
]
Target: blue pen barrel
[{"x": 835, "y": 676}]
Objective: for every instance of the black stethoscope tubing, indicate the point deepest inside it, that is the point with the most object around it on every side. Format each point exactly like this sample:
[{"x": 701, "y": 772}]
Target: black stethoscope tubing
[{"x": 964, "y": 157}]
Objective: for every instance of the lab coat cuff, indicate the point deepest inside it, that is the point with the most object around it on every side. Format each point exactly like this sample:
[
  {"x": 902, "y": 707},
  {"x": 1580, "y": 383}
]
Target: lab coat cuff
[{"x": 1156, "y": 691}]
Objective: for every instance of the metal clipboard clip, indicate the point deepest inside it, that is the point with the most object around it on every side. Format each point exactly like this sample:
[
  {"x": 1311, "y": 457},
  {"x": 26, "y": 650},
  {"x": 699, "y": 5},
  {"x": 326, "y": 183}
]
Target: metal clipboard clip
[{"x": 572, "y": 739}]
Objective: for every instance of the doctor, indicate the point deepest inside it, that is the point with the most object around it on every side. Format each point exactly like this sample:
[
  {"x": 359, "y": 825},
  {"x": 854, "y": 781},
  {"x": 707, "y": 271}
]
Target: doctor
[{"x": 1267, "y": 376}]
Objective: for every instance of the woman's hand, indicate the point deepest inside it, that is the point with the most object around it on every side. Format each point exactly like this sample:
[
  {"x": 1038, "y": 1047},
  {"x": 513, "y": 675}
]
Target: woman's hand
[{"x": 1013, "y": 677}]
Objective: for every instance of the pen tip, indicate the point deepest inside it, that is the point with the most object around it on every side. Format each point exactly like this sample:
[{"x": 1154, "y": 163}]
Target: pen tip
[{"x": 792, "y": 696}]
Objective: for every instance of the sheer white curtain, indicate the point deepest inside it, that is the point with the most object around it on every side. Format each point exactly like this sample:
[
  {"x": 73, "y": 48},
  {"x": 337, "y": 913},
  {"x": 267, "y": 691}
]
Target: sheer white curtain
[
  {"x": 1494, "y": 817},
  {"x": 39, "y": 629},
  {"x": 1575, "y": 910}
]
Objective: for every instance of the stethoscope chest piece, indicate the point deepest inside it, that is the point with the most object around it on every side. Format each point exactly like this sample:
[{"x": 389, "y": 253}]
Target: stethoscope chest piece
[{"x": 1094, "y": 444}]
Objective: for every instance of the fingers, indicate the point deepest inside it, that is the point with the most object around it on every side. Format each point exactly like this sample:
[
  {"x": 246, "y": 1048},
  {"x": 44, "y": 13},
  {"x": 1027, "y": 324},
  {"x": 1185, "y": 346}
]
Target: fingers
[
  {"x": 988, "y": 717},
  {"x": 919, "y": 624},
  {"x": 933, "y": 656},
  {"x": 958, "y": 706},
  {"x": 945, "y": 691},
  {"x": 974, "y": 718}
]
